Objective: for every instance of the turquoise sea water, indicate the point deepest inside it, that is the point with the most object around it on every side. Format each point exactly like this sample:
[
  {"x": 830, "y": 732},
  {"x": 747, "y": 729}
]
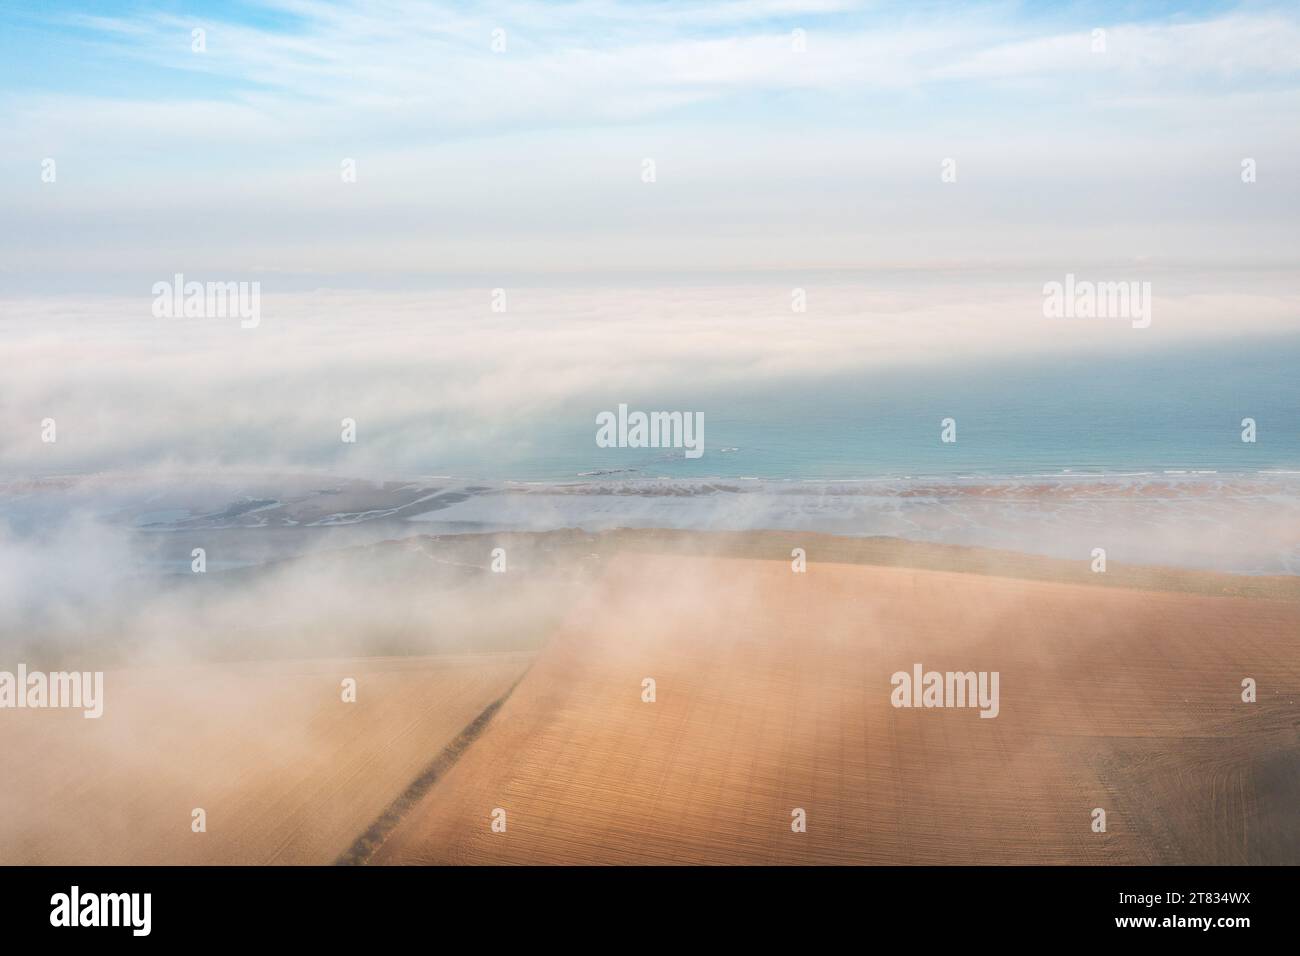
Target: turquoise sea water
[{"x": 1160, "y": 411}]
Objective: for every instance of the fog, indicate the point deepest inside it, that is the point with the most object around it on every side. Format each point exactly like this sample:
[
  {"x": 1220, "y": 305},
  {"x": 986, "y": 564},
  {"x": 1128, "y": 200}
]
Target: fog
[{"x": 439, "y": 375}]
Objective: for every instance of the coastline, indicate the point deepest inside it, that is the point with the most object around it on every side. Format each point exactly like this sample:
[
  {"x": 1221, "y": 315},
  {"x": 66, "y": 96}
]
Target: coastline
[{"x": 1245, "y": 523}]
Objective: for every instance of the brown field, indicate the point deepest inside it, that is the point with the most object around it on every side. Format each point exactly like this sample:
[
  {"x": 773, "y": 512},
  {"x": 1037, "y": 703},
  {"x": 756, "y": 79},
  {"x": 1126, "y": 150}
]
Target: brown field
[
  {"x": 1120, "y": 691},
  {"x": 773, "y": 693},
  {"x": 286, "y": 771}
]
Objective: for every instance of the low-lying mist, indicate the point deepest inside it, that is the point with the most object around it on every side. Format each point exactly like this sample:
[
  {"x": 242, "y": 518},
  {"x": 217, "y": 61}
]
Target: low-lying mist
[
  {"x": 87, "y": 595},
  {"x": 440, "y": 377}
]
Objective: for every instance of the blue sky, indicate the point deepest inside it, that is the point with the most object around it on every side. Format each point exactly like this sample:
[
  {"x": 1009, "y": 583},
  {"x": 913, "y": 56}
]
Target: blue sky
[{"x": 529, "y": 159}]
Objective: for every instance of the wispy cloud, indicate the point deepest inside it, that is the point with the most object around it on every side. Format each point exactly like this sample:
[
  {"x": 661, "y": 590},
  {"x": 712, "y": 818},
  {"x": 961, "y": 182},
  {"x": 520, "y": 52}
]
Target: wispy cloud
[{"x": 838, "y": 135}]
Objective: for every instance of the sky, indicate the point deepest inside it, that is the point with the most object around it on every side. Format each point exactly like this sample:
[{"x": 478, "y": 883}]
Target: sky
[{"x": 772, "y": 149}]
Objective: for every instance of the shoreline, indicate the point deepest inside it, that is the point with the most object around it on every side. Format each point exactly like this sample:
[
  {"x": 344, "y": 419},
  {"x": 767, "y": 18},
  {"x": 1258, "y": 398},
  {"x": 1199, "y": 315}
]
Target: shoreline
[
  {"x": 18, "y": 482},
  {"x": 1236, "y": 523}
]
